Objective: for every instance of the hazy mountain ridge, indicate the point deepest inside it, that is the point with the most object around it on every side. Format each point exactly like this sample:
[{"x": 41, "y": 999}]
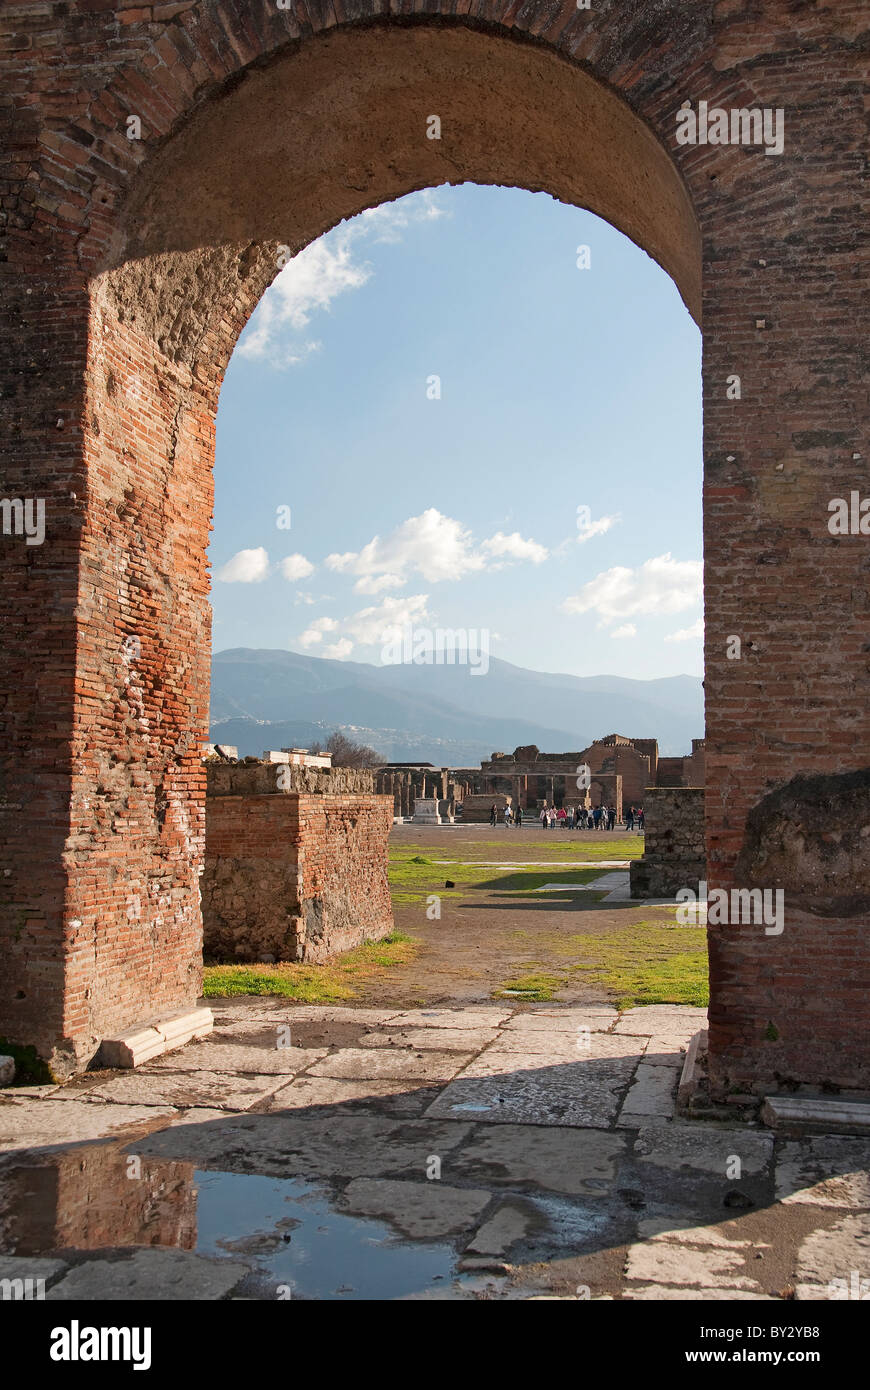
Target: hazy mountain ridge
[{"x": 262, "y": 698}]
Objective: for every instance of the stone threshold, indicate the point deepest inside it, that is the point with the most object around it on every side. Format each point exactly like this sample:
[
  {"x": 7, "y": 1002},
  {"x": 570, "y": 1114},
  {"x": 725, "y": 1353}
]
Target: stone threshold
[{"x": 145, "y": 1041}]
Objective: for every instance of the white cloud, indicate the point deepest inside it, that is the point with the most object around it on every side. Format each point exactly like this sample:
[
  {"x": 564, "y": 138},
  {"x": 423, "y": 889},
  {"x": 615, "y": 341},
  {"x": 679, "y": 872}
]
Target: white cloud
[
  {"x": 375, "y": 584},
  {"x": 660, "y": 585},
  {"x": 302, "y": 597},
  {"x": 436, "y": 546},
  {"x": 514, "y": 547},
  {"x": 314, "y": 634},
  {"x": 296, "y": 567},
  {"x": 372, "y": 626},
  {"x": 595, "y": 528},
  {"x": 687, "y": 634},
  {"x": 316, "y": 276},
  {"x": 245, "y": 567},
  {"x": 626, "y": 630},
  {"x": 339, "y": 650}
]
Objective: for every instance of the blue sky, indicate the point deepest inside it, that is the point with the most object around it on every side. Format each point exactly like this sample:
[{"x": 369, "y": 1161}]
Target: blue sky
[{"x": 560, "y": 388}]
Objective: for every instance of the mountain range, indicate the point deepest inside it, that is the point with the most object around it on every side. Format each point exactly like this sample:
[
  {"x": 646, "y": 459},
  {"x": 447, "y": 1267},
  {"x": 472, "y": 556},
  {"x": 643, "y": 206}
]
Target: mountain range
[{"x": 441, "y": 714}]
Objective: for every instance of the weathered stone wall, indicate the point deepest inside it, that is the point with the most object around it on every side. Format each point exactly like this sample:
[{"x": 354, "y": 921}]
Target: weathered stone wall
[
  {"x": 292, "y": 876},
  {"x": 674, "y": 854}
]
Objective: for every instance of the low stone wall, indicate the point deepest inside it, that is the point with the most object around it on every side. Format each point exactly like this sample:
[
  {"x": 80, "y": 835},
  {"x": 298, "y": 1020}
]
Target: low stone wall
[
  {"x": 476, "y": 809},
  {"x": 292, "y": 875},
  {"x": 674, "y": 853}
]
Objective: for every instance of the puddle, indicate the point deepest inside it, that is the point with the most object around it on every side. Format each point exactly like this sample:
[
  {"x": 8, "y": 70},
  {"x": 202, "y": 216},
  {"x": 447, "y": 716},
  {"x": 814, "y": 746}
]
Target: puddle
[
  {"x": 99, "y": 1197},
  {"x": 317, "y": 1252}
]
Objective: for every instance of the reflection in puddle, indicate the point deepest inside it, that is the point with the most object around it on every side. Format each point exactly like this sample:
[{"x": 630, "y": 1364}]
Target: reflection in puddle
[
  {"x": 296, "y": 1239},
  {"x": 98, "y": 1197}
]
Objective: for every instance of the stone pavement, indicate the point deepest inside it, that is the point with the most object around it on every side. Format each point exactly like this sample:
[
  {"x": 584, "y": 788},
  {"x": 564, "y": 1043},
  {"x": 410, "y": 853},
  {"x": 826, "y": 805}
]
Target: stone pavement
[{"x": 477, "y": 1152}]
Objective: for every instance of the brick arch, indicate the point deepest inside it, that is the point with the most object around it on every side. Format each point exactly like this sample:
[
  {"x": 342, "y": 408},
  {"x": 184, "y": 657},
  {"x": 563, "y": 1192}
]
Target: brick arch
[{"x": 132, "y": 266}]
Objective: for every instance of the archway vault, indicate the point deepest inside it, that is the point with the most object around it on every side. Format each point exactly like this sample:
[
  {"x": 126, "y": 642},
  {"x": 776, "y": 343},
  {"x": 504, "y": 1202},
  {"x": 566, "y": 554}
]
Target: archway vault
[{"x": 132, "y": 266}]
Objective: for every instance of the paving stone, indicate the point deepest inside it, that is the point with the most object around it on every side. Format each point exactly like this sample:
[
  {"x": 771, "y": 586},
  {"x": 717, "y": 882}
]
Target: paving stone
[
  {"x": 662, "y": 1020},
  {"x": 598, "y": 1018},
  {"x": 509, "y": 1223},
  {"x": 36, "y": 1124},
  {"x": 834, "y": 1262},
  {"x": 467, "y": 1040},
  {"x": 825, "y": 1170},
  {"x": 706, "y": 1149},
  {"x": 677, "y": 1229},
  {"x": 237, "y": 1058},
  {"x": 527, "y": 1091},
  {"x": 390, "y": 1096},
  {"x": 678, "y": 1264},
  {"x": 299, "y": 1144},
  {"x": 651, "y": 1092},
  {"x": 364, "y": 1063},
  {"x": 570, "y": 1043},
  {"x": 628, "y": 1120},
  {"x": 421, "y": 1210},
  {"x": 451, "y": 1018},
  {"x": 667, "y": 1052},
  {"x": 218, "y": 1090},
  {"x": 582, "y": 1162},
  {"x": 150, "y": 1274},
  {"x": 604, "y": 1054}
]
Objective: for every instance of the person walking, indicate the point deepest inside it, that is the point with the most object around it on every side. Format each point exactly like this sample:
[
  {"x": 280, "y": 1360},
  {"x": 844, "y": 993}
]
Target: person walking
[
  {"x": 518, "y": 818},
  {"x": 493, "y": 814},
  {"x": 640, "y": 818},
  {"x": 507, "y": 815},
  {"x": 543, "y": 816}
]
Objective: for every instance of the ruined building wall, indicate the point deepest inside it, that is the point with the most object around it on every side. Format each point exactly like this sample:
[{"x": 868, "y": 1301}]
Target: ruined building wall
[
  {"x": 674, "y": 853},
  {"x": 292, "y": 876}
]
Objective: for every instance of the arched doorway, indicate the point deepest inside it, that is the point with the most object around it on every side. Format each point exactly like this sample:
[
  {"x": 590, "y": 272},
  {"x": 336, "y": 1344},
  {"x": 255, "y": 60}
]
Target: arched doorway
[{"x": 254, "y": 142}]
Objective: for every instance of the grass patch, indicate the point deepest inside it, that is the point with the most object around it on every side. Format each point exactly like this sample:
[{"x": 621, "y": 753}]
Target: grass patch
[
  {"x": 537, "y": 985},
  {"x": 415, "y": 873},
  {"x": 558, "y": 845},
  {"x": 329, "y": 983},
  {"x": 646, "y": 963}
]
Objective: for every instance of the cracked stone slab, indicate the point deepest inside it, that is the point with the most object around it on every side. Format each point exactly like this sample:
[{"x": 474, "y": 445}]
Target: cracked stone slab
[
  {"x": 392, "y": 1096},
  {"x": 575, "y": 1044},
  {"x": 834, "y": 1262},
  {"x": 598, "y": 1018},
  {"x": 604, "y": 1054},
  {"x": 706, "y": 1149},
  {"x": 825, "y": 1170},
  {"x": 216, "y": 1090},
  {"x": 677, "y": 1229},
  {"x": 420, "y": 1210},
  {"x": 370, "y": 1063},
  {"x": 527, "y": 1091},
  {"x": 575, "y": 1162},
  {"x": 296, "y": 1144},
  {"x": 451, "y": 1018},
  {"x": 664, "y": 1053},
  {"x": 662, "y": 1020},
  {"x": 651, "y": 1092},
  {"x": 467, "y": 1040},
  {"x": 47, "y": 1123},
  {"x": 681, "y": 1265},
  {"x": 214, "y": 1056},
  {"x": 150, "y": 1274}
]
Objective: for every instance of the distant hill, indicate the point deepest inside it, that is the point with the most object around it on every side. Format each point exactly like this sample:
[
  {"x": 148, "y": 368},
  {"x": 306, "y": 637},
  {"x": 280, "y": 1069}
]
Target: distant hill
[{"x": 441, "y": 714}]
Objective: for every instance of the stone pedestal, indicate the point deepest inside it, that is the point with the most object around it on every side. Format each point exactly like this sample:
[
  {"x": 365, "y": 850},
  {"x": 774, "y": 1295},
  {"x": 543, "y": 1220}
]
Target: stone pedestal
[{"x": 426, "y": 811}]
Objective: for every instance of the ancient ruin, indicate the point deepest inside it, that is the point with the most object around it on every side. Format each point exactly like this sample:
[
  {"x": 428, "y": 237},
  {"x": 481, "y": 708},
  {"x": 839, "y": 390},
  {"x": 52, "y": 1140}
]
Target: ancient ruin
[
  {"x": 157, "y": 159},
  {"x": 295, "y": 861}
]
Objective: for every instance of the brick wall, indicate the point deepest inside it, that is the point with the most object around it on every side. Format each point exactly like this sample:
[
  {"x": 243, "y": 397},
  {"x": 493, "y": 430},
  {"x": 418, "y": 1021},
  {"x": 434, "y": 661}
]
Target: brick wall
[
  {"x": 126, "y": 275},
  {"x": 292, "y": 876}
]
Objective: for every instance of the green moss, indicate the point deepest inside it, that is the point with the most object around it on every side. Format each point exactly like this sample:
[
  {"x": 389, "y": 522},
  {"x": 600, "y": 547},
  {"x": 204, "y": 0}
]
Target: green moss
[
  {"x": 537, "y": 985},
  {"x": 771, "y": 1032}
]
